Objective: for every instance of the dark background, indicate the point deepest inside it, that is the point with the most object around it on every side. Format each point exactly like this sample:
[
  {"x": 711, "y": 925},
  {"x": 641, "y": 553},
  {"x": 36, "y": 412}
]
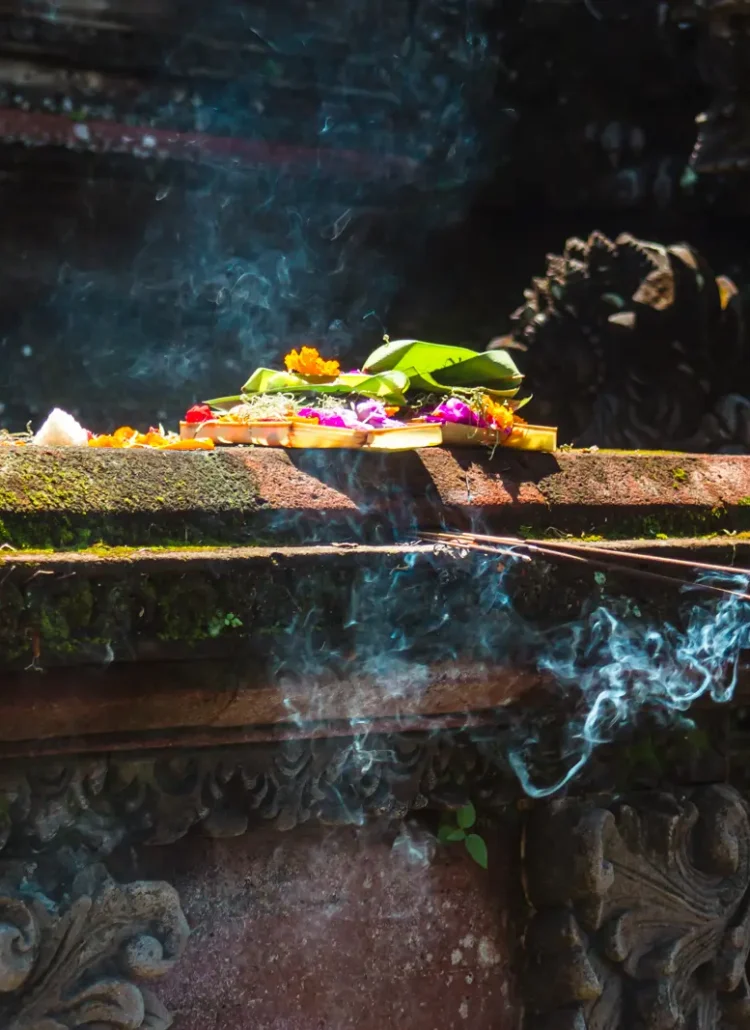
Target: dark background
[{"x": 191, "y": 189}]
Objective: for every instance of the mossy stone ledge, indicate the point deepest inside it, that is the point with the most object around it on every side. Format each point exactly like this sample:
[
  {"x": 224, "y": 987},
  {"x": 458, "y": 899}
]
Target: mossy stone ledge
[
  {"x": 162, "y": 591},
  {"x": 69, "y": 499}
]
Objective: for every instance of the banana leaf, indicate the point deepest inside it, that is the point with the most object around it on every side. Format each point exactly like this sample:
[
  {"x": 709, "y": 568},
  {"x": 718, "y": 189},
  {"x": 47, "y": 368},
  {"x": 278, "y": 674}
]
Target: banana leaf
[
  {"x": 388, "y": 387},
  {"x": 495, "y": 369},
  {"x": 438, "y": 367},
  {"x": 417, "y": 354},
  {"x": 517, "y": 405}
]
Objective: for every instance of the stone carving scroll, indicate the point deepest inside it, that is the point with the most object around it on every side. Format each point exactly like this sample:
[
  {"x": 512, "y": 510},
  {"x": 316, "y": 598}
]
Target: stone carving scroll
[
  {"x": 641, "y": 913},
  {"x": 88, "y": 960}
]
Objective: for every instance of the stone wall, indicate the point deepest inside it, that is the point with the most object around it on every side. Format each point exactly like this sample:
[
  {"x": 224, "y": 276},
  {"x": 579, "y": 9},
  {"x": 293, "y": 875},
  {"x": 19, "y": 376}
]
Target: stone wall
[{"x": 337, "y": 929}]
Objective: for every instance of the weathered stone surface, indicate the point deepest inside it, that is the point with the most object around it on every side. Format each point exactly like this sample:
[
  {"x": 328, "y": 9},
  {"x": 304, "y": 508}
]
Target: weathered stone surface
[
  {"x": 640, "y": 911},
  {"x": 73, "y": 498},
  {"x": 207, "y": 703},
  {"x": 621, "y": 336},
  {"x": 345, "y": 929},
  {"x": 180, "y": 638},
  {"x": 262, "y": 609},
  {"x": 216, "y": 644}
]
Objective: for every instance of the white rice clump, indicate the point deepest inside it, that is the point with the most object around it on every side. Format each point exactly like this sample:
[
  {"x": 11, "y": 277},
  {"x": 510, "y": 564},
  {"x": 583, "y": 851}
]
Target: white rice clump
[{"x": 61, "y": 430}]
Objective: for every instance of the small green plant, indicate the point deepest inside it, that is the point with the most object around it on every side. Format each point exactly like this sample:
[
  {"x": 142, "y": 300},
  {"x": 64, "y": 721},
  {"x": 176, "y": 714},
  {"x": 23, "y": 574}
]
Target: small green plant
[
  {"x": 651, "y": 527},
  {"x": 678, "y": 476},
  {"x": 221, "y": 622},
  {"x": 744, "y": 501},
  {"x": 453, "y": 828}
]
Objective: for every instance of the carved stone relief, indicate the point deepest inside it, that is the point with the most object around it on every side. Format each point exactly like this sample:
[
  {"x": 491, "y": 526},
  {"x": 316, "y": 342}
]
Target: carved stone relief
[
  {"x": 641, "y": 913},
  {"x": 76, "y": 948},
  {"x": 80, "y": 962},
  {"x": 96, "y": 803}
]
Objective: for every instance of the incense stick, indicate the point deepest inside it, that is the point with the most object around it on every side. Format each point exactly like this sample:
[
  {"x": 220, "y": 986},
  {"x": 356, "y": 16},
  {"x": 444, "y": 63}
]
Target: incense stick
[
  {"x": 574, "y": 545},
  {"x": 503, "y": 546}
]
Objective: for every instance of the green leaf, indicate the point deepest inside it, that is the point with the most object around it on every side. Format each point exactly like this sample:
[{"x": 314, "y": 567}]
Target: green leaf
[
  {"x": 448, "y": 834},
  {"x": 415, "y": 354},
  {"x": 477, "y": 849},
  {"x": 224, "y": 402},
  {"x": 437, "y": 367},
  {"x": 466, "y": 816},
  {"x": 490, "y": 369},
  {"x": 444, "y": 830},
  {"x": 388, "y": 386}
]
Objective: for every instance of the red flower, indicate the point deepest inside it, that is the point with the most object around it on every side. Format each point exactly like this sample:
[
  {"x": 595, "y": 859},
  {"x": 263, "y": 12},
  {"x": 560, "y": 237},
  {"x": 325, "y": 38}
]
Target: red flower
[{"x": 199, "y": 413}]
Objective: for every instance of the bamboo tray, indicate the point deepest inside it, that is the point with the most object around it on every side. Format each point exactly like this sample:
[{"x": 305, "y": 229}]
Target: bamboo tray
[
  {"x": 310, "y": 435},
  {"x": 523, "y": 438},
  {"x": 406, "y": 438},
  {"x": 260, "y": 434}
]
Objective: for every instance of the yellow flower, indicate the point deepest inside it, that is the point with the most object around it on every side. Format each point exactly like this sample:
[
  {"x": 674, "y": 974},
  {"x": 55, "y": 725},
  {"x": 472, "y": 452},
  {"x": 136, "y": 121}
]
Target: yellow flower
[{"x": 309, "y": 363}]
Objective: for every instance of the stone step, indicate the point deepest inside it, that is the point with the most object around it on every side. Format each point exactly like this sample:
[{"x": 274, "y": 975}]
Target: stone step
[{"x": 75, "y": 498}]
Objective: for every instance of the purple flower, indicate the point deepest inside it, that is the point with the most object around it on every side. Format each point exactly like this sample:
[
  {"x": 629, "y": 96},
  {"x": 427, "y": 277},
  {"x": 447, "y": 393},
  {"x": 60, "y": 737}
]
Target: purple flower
[
  {"x": 372, "y": 413},
  {"x": 454, "y": 410},
  {"x": 367, "y": 415},
  {"x": 336, "y": 418}
]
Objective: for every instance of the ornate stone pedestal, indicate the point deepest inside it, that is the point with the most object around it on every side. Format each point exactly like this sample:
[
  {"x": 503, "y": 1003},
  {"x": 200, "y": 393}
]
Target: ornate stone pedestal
[{"x": 224, "y": 763}]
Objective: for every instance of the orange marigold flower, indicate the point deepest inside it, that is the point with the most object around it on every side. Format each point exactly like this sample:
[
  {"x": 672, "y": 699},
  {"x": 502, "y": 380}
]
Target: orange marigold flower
[
  {"x": 190, "y": 445},
  {"x": 309, "y": 363},
  {"x": 498, "y": 414},
  {"x": 124, "y": 435}
]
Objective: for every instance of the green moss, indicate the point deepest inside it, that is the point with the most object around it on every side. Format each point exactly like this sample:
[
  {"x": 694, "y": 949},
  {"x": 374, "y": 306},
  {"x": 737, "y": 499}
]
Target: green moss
[
  {"x": 185, "y": 615},
  {"x": 113, "y": 534},
  {"x": 102, "y": 550},
  {"x": 673, "y": 521},
  {"x": 123, "y": 499},
  {"x": 122, "y": 481},
  {"x": 86, "y": 618},
  {"x": 119, "y": 502}
]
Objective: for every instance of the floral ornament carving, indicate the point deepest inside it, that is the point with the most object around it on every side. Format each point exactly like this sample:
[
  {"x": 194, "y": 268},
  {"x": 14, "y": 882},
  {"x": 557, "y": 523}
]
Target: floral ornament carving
[
  {"x": 84, "y": 962},
  {"x": 78, "y": 949},
  {"x": 641, "y": 913},
  {"x": 96, "y": 804}
]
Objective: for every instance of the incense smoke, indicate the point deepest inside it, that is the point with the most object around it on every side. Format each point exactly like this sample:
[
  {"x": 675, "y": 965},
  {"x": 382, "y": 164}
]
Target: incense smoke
[
  {"x": 611, "y": 665},
  {"x": 156, "y": 284},
  {"x": 622, "y": 666},
  {"x": 333, "y": 143}
]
